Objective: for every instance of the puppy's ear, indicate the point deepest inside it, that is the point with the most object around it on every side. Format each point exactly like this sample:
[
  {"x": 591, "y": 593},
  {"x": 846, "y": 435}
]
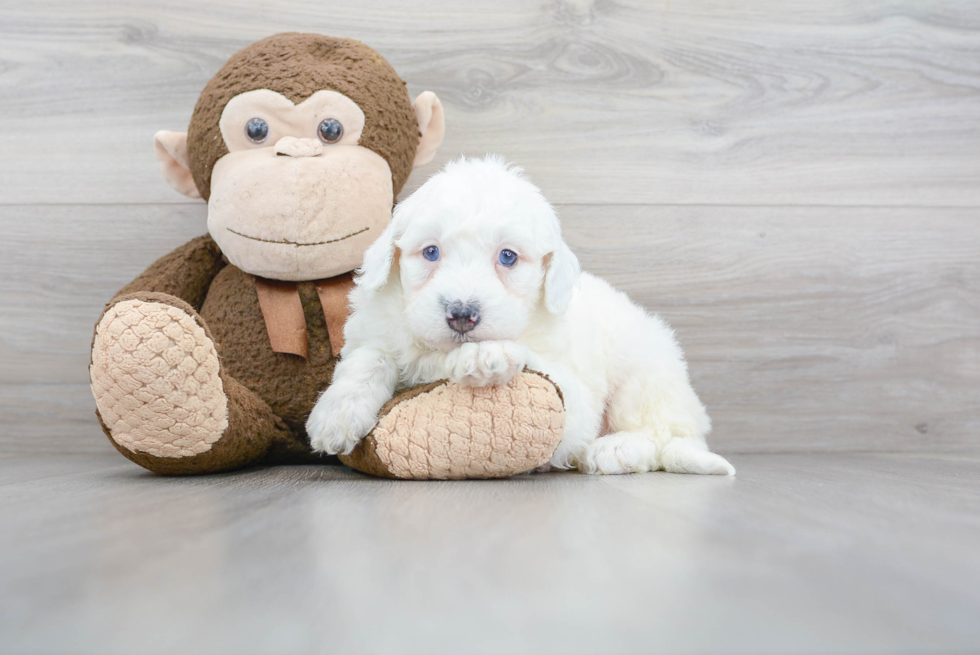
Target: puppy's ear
[
  {"x": 380, "y": 256},
  {"x": 373, "y": 273},
  {"x": 560, "y": 279}
]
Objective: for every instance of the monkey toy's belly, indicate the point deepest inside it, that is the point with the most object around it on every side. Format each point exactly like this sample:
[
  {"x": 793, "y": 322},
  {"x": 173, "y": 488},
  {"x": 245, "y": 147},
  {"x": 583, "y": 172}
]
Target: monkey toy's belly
[{"x": 289, "y": 384}]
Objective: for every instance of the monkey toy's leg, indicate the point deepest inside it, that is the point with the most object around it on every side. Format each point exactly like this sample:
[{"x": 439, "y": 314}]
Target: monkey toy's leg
[{"x": 162, "y": 397}]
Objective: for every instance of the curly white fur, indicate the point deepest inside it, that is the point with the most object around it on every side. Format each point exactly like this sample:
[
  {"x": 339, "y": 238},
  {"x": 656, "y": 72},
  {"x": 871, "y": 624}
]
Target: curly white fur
[{"x": 622, "y": 373}]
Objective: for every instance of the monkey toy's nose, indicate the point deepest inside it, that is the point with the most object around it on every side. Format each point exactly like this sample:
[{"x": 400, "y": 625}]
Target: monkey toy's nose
[
  {"x": 462, "y": 317},
  {"x": 291, "y": 146}
]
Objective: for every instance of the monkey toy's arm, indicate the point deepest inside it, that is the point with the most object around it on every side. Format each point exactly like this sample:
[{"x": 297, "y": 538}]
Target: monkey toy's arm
[{"x": 186, "y": 273}]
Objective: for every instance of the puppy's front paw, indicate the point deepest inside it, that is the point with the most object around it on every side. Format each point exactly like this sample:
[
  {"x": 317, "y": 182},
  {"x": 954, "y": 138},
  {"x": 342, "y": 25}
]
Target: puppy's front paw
[
  {"x": 338, "y": 422},
  {"x": 486, "y": 363}
]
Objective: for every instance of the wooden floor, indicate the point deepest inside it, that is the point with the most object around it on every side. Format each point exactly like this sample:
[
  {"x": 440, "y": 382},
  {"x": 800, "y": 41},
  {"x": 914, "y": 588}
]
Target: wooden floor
[
  {"x": 829, "y": 553},
  {"x": 794, "y": 186}
]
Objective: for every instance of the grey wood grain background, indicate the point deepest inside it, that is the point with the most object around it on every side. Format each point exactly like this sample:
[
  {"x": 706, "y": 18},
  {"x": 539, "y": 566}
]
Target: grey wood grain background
[{"x": 794, "y": 186}]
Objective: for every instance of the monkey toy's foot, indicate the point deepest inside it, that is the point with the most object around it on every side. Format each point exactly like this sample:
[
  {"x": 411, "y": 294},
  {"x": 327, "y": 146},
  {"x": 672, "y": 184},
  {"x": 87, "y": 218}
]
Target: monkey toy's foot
[
  {"x": 448, "y": 431},
  {"x": 162, "y": 397},
  {"x": 155, "y": 380}
]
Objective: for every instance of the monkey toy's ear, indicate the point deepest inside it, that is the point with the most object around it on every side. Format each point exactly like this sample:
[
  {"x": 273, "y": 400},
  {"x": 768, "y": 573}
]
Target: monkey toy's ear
[
  {"x": 432, "y": 125},
  {"x": 171, "y": 152}
]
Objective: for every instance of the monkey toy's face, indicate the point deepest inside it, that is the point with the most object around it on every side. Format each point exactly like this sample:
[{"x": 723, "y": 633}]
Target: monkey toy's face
[
  {"x": 300, "y": 183},
  {"x": 296, "y": 196}
]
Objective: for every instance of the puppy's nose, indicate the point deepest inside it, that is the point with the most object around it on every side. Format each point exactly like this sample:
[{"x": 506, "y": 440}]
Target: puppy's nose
[{"x": 462, "y": 317}]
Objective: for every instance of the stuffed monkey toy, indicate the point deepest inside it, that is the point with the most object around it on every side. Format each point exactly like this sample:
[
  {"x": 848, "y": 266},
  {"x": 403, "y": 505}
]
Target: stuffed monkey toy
[{"x": 213, "y": 358}]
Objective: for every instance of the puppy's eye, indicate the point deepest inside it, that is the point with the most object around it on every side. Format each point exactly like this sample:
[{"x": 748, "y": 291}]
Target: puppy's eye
[
  {"x": 330, "y": 130},
  {"x": 431, "y": 253},
  {"x": 257, "y": 130},
  {"x": 507, "y": 257}
]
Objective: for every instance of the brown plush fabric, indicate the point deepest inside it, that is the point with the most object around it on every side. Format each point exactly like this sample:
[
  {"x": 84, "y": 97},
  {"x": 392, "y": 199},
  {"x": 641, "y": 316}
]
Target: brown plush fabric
[
  {"x": 365, "y": 459},
  {"x": 185, "y": 273},
  {"x": 289, "y": 384},
  {"x": 297, "y": 65}
]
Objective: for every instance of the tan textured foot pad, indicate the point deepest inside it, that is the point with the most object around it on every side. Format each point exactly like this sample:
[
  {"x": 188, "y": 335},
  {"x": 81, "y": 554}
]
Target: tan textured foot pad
[
  {"x": 155, "y": 380},
  {"x": 444, "y": 431}
]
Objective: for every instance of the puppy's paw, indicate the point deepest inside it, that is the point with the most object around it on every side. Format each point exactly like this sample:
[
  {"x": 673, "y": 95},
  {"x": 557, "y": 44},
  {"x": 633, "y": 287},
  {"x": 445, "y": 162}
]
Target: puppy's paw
[
  {"x": 500, "y": 361},
  {"x": 338, "y": 422},
  {"x": 486, "y": 363},
  {"x": 618, "y": 453},
  {"x": 681, "y": 455}
]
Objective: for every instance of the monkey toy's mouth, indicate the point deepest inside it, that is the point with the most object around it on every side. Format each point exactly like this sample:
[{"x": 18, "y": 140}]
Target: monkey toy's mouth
[
  {"x": 269, "y": 223},
  {"x": 287, "y": 242}
]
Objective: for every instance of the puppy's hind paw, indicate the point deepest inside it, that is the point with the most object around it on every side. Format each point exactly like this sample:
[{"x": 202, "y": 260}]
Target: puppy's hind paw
[
  {"x": 619, "y": 453},
  {"x": 682, "y": 456}
]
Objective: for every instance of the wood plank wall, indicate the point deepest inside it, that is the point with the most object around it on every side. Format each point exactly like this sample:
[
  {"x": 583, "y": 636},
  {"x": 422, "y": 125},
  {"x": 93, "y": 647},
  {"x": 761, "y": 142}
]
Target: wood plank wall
[{"x": 793, "y": 185}]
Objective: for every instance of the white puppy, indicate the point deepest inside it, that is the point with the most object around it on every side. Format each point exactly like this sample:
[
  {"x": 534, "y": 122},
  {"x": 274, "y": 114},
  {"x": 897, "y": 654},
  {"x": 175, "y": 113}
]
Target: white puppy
[{"x": 471, "y": 281}]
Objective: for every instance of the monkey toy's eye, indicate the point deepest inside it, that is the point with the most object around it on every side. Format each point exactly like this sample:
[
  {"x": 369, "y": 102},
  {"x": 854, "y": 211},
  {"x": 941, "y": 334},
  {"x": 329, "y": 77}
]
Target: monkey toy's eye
[
  {"x": 507, "y": 257},
  {"x": 431, "y": 253},
  {"x": 257, "y": 130},
  {"x": 330, "y": 130}
]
